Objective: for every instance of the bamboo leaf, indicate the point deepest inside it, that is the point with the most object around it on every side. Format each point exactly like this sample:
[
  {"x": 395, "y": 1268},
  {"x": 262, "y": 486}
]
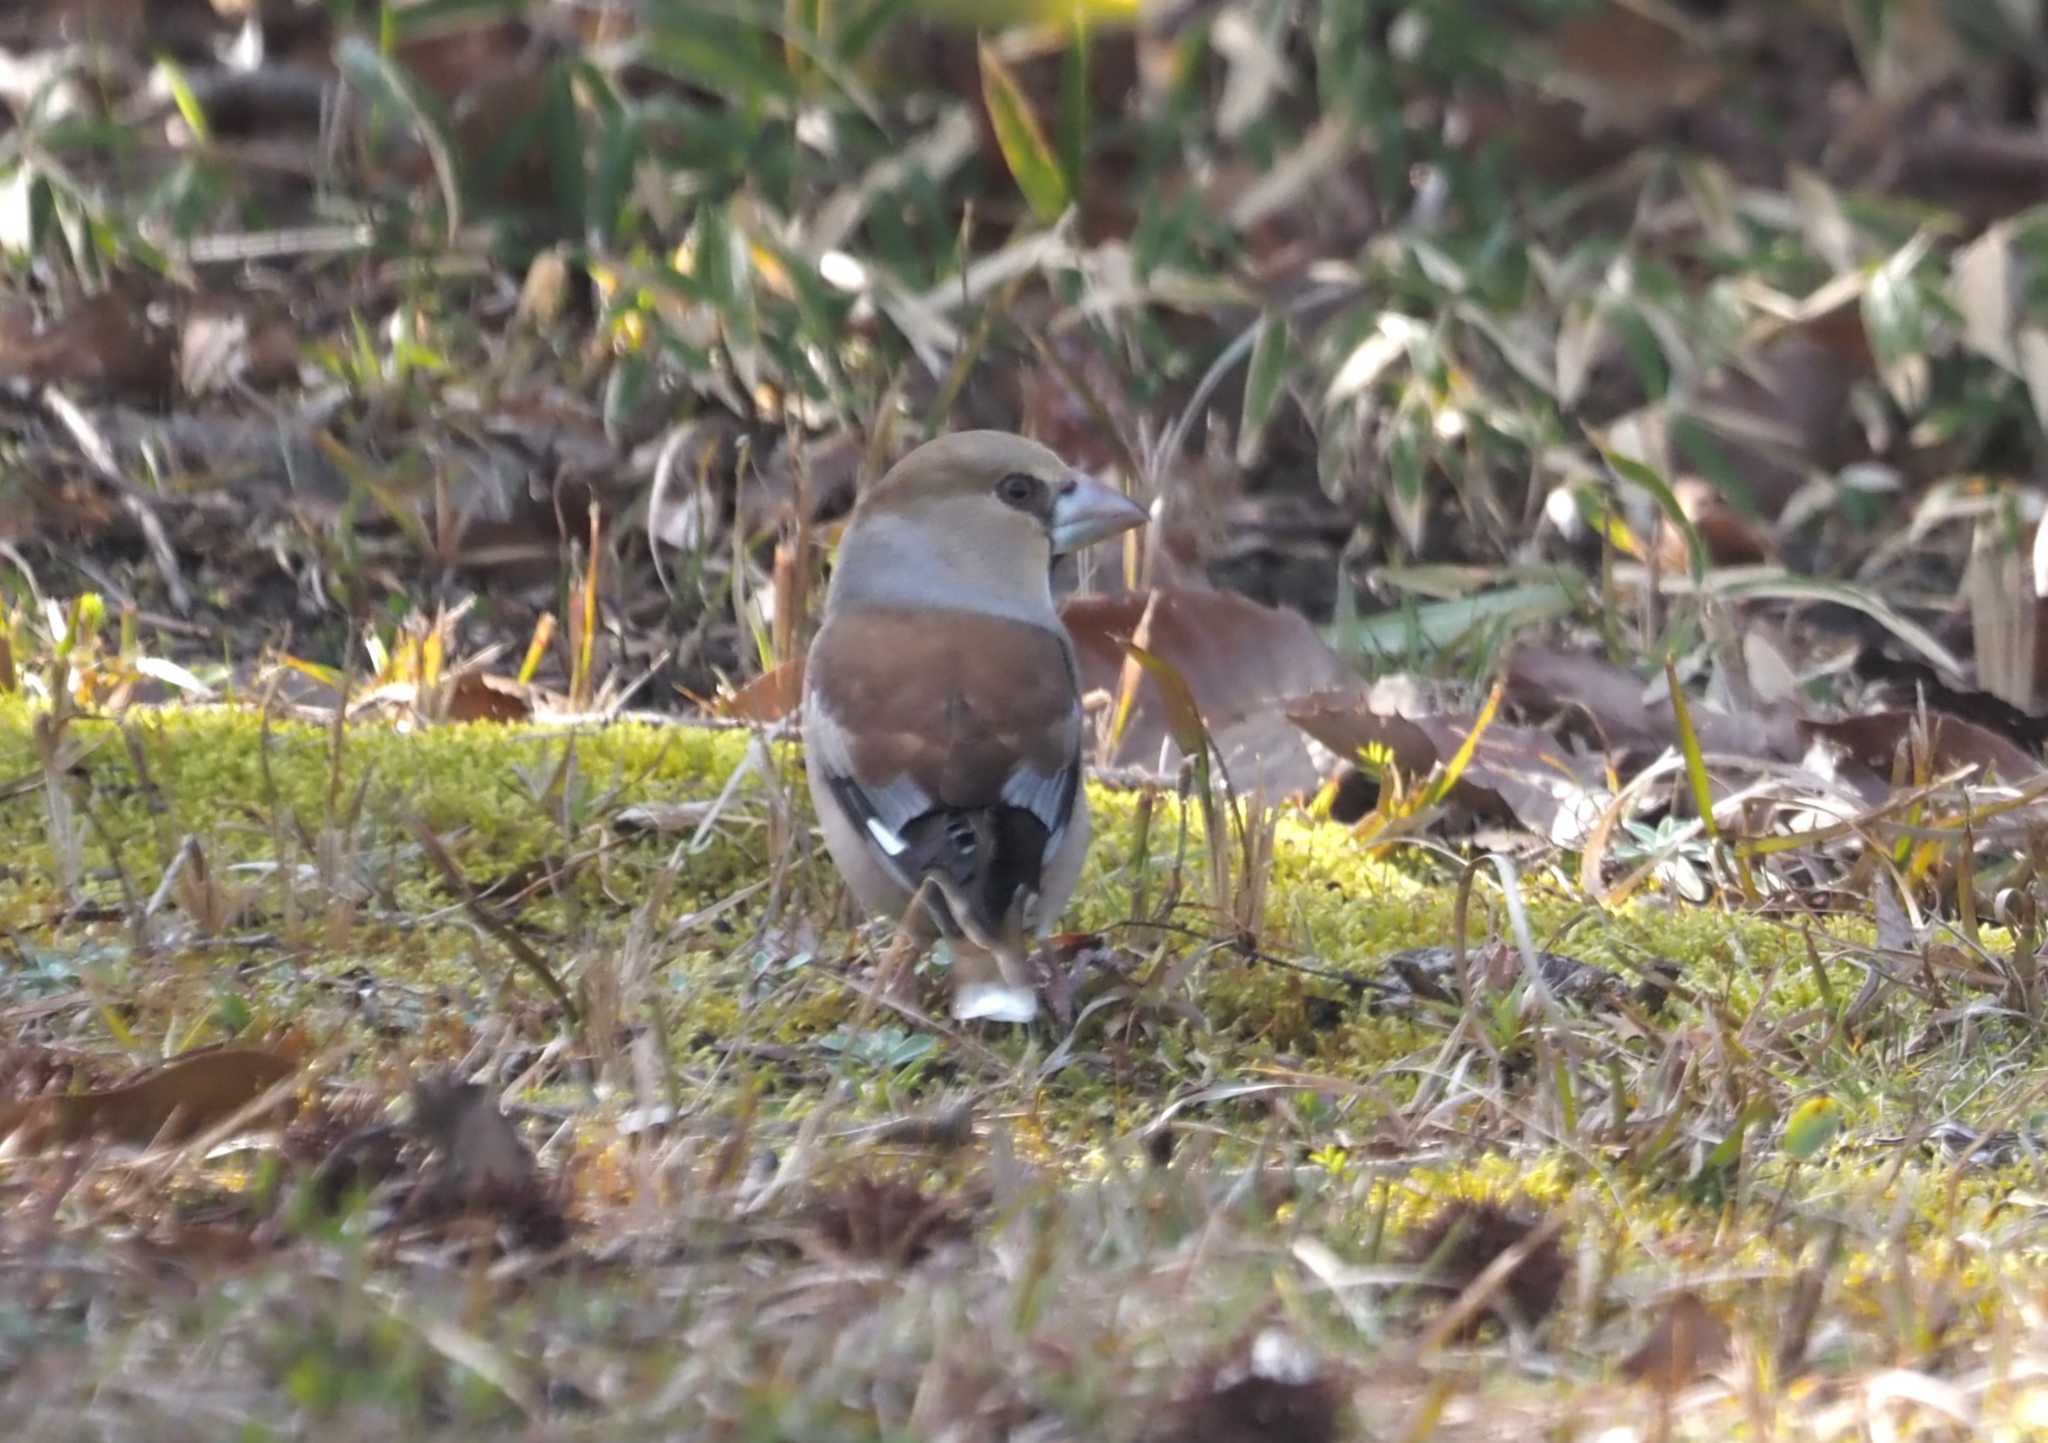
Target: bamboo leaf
[
  {"x": 1695, "y": 760},
  {"x": 1635, "y": 473},
  {"x": 1030, "y": 156},
  {"x": 383, "y": 80},
  {"x": 1262, "y": 387}
]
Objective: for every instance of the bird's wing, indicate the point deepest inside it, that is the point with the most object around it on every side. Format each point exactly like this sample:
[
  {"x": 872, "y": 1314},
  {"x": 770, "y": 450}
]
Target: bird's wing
[{"x": 953, "y": 743}]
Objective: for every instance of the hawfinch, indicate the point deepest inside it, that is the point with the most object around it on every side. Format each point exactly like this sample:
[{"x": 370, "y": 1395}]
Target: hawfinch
[{"x": 941, "y": 715}]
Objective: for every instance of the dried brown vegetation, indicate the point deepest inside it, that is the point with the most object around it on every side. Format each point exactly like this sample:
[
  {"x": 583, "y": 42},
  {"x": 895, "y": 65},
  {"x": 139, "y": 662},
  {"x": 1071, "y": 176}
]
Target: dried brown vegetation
[{"x": 1563, "y": 949}]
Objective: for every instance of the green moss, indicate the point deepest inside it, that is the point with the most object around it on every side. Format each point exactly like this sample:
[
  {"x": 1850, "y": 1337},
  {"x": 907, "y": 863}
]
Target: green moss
[
  {"x": 778, "y": 967},
  {"x": 1369, "y": 1118}
]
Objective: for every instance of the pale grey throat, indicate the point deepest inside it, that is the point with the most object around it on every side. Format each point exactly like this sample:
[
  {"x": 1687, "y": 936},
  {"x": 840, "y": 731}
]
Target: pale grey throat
[
  {"x": 890, "y": 561},
  {"x": 896, "y": 565}
]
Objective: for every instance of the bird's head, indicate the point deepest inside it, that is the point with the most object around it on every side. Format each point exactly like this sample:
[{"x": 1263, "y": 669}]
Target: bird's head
[{"x": 981, "y": 512}]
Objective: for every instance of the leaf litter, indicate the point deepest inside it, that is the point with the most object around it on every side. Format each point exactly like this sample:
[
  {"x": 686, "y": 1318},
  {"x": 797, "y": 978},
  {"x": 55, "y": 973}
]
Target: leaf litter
[{"x": 479, "y": 376}]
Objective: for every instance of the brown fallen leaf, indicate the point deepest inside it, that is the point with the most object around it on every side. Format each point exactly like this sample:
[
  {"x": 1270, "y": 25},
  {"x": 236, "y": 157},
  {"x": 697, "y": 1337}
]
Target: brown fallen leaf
[
  {"x": 660, "y": 818},
  {"x": 1466, "y": 1239},
  {"x": 1267, "y": 1389},
  {"x": 1983, "y": 172},
  {"x": 489, "y": 76},
  {"x": 223, "y": 345},
  {"x": 481, "y": 1152},
  {"x": 1729, "y": 537},
  {"x": 1776, "y": 411},
  {"x": 104, "y": 345},
  {"x": 1546, "y": 680},
  {"x": 1243, "y": 663},
  {"x": 1686, "y": 1343},
  {"x": 475, "y": 696},
  {"x": 1515, "y": 771},
  {"x": 482, "y": 1164},
  {"x": 1870, "y": 743},
  {"x": 885, "y": 1220},
  {"x": 1628, "y": 69},
  {"x": 182, "y": 1097},
  {"x": 769, "y": 697}
]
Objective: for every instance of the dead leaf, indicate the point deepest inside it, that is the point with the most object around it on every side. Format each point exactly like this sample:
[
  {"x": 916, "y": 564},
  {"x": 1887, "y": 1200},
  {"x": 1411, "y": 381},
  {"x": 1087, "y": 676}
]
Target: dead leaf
[
  {"x": 104, "y": 345},
  {"x": 475, "y": 696},
  {"x": 1766, "y": 418},
  {"x": 182, "y": 1097},
  {"x": 1872, "y": 741},
  {"x": 482, "y": 1154},
  {"x": 1545, "y": 680},
  {"x": 769, "y": 697},
  {"x": 886, "y": 1220},
  {"x": 545, "y": 293},
  {"x": 1687, "y": 1342},
  {"x": 1514, "y": 771},
  {"x": 1984, "y": 172},
  {"x": 221, "y": 346},
  {"x": 1464, "y": 1241},
  {"x": 1628, "y": 69},
  {"x": 490, "y": 78},
  {"x": 483, "y": 1165},
  {"x": 2009, "y": 615},
  {"x": 661, "y": 818},
  {"x": 1729, "y": 537},
  {"x": 1244, "y": 664},
  {"x": 1267, "y": 1389}
]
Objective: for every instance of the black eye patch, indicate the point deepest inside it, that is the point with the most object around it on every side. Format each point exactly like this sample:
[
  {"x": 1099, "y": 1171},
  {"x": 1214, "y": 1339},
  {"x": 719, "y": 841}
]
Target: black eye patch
[{"x": 1023, "y": 491}]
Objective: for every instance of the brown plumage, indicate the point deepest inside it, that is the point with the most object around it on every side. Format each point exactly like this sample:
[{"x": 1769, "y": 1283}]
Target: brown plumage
[{"x": 941, "y": 711}]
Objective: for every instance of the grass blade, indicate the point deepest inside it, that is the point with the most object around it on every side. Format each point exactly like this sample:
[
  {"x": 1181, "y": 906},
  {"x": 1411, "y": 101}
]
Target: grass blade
[{"x": 1030, "y": 156}]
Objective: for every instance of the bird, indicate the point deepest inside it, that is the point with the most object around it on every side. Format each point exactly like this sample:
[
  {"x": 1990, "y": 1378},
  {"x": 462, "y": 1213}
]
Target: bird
[{"x": 941, "y": 708}]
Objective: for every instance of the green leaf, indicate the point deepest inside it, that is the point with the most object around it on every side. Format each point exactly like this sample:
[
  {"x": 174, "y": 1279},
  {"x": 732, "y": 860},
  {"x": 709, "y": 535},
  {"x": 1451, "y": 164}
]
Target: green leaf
[
  {"x": 1000, "y": 14},
  {"x": 1695, "y": 760},
  {"x": 1270, "y": 354},
  {"x": 1408, "y": 458},
  {"x": 624, "y": 390},
  {"x": 1811, "y": 1127},
  {"x": 1442, "y": 624},
  {"x": 187, "y": 101},
  {"x": 1635, "y": 473},
  {"x": 1074, "y": 117},
  {"x": 1022, "y": 140},
  {"x": 723, "y": 53},
  {"x": 384, "y": 81},
  {"x": 1894, "y": 309},
  {"x": 726, "y": 271},
  {"x": 562, "y": 126},
  {"x": 619, "y": 150}
]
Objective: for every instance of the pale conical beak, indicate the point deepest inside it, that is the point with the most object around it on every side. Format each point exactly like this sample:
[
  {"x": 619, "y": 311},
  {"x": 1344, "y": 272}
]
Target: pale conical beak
[{"x": 1087, "y": 511}]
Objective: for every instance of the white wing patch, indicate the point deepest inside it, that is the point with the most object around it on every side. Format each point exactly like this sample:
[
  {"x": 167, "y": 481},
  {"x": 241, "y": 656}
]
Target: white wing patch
[
  {"x": 880, "y": 811},
  {"x": 887, "y": 840}
]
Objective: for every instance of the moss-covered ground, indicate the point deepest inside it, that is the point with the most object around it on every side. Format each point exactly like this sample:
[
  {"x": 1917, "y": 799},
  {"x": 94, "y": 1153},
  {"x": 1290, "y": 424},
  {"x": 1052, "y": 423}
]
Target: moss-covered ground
[{"x": 1224, "y": 1165}]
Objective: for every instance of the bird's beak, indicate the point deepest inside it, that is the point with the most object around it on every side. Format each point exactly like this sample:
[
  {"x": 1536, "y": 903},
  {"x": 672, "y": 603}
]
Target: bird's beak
[{"x": 1087, "y": 511}]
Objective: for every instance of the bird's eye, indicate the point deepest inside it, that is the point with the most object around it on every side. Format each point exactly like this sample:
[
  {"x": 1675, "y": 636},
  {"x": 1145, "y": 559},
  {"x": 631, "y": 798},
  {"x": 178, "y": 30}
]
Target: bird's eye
[{"x": 1018, "y": 489}]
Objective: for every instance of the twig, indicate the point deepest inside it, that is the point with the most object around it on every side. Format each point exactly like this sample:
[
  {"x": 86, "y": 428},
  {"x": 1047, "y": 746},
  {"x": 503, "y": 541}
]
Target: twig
[
  {"x": 101, "y": 455},
  {"x": 523, "y": 954}
]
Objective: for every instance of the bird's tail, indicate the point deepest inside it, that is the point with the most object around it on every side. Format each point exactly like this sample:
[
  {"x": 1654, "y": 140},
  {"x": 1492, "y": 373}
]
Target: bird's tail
[{"x": 992, "y": 976}]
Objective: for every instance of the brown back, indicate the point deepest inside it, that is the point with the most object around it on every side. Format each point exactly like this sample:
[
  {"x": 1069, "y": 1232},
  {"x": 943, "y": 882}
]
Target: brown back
[{"x": 922, "y": 690}]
